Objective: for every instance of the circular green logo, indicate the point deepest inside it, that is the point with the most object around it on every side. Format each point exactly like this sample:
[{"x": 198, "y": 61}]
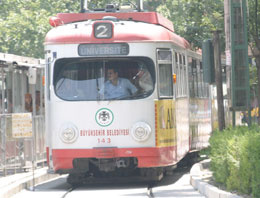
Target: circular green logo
[{"x": 104, "y": 117}]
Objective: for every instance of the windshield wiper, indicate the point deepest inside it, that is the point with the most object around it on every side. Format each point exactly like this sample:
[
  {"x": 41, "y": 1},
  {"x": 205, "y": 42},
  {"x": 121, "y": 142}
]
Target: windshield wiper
[
  {"x": 135, "y": 96},
  {"x": 60, "y": 84}
]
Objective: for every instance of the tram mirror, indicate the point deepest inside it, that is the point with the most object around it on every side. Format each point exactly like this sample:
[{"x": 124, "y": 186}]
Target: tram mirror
[
  {"x": 208, "y": 61},
  {"x": 32, "y": 75}
]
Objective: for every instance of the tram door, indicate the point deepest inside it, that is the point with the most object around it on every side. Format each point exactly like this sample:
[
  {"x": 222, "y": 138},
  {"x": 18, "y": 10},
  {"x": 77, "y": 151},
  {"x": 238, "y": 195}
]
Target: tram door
[{"x": 165, "y": 105}]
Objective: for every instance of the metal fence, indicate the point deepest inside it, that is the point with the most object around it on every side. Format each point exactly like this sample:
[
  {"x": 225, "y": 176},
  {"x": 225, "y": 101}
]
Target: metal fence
[
  {"x": 21, "y": 113},
  {"x": 21, "y": 154}
]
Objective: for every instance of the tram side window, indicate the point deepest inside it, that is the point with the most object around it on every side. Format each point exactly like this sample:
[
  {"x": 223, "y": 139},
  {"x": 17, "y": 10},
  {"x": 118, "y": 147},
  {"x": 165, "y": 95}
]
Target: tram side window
[
  {"x": 184, "y": 77},
  {"x": 180, "y": 76},
  {"x": 206, "y": 88},
  {"x": 203, "y": 84},
  {"x": 193, "y": 80},
  {"x": 198, "y": 88},
  {"x": 181, "y": 72},
  {"x": 165, "y": 73},
  {"x": 196, "y": 77},
  {"x": 177, "y": 70},
  {"x": 200, "y": 79},
  {"x": 165, "y": 77}
]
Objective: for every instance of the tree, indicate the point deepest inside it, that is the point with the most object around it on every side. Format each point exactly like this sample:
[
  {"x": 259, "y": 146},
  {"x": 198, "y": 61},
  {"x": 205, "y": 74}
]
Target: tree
[
  {"x": 194, "y": 19},
  {"x": 23, "y": 27}
]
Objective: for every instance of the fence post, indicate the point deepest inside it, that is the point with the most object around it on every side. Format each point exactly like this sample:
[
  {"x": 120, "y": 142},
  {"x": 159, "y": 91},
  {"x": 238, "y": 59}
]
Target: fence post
[
  {"x": 3, "y": 126},
  {"x": 32, "y": 82},
  {"x": 3, "y": 147}
]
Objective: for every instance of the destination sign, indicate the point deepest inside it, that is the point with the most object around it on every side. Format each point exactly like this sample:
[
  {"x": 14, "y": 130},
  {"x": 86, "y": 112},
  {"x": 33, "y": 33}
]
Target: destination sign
[{"x": 103, "y": 49}]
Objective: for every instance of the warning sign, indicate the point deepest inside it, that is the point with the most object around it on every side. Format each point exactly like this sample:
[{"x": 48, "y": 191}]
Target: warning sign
[{"x": 21, "y": 125}]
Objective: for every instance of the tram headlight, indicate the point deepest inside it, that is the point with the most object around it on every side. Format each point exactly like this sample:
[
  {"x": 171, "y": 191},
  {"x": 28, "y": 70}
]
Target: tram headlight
[
  {"x": 141, "y": 131},
  {"x": 68, "y": 133}
]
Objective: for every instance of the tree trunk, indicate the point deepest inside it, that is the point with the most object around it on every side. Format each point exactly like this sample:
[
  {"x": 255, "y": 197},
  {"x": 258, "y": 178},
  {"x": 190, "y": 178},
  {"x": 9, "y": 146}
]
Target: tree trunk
[
  {"x": 257, "y": 58},
  {"x": 256, "y": 54},
  {"x": 218, "y": 78}
]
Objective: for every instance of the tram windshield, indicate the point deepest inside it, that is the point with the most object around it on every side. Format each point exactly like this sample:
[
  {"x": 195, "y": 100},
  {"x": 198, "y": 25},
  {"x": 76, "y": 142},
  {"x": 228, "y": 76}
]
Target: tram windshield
[{"x": 111, "y": 79}]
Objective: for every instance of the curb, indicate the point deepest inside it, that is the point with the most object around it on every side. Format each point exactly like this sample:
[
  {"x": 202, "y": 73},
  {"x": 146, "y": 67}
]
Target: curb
[
  {"x": 199, "y": 174},
  {"x": 26, "y": 182}
]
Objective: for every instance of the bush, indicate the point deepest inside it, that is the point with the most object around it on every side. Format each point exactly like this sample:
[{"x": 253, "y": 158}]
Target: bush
[
  {"x": 235, "y": 159},
  {"x": 254, "y": 160}
]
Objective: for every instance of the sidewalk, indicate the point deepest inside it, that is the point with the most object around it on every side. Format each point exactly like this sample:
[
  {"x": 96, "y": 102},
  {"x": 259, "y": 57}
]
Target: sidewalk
[
  {"x": 13, "y": 184},
  {"x": 199, "y": 178}
]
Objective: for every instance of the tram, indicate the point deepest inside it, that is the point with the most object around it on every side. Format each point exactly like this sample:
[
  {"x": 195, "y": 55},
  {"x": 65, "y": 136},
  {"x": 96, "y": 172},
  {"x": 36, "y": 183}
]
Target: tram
[{"x": 124, "y": 94}]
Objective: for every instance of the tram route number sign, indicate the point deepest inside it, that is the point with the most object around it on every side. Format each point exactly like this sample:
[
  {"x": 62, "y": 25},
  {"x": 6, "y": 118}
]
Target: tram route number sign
[
  {"x": 103, "y": 49},
  {"x": 21, "y": 125},
  {"x": 103, "y": 30}
]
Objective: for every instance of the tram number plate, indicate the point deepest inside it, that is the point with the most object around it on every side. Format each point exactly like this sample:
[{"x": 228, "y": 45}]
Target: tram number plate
[{"x": 104, "y": 140}]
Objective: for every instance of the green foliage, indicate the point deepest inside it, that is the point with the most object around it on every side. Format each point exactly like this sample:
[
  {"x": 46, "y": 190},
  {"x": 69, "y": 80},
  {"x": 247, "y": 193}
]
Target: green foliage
[
  {"x": 194, "y": 19},
  {"x": 235, "y": 159},
  {"x": 24, "y": 23},
  {"x": 254, "y": 22},
  {"x": 253, "y": 75},
  {"x": 254, "y": 159},
  {"x": 23, "y": 27},
  {"x": 218, "y": 155}
]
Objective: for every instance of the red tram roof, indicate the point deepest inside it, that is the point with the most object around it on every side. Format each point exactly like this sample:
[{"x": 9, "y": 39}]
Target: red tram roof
[
  {"x": 148, "y": 17},
  {"x": 161, "y": 30}
]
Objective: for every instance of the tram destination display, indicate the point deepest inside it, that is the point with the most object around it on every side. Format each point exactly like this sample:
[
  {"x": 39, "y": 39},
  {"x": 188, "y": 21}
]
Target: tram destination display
[{"x": 103, "y": 49}]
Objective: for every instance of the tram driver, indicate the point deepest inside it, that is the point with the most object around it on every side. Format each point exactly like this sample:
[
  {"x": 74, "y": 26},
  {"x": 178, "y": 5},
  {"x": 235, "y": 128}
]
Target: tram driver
[{"x": 116, "y": 87}]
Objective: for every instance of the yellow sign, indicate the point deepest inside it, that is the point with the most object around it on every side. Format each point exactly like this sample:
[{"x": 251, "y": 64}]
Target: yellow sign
[
  {"x": 165, "y": 123},
  {"x": 21, "y": 125}
]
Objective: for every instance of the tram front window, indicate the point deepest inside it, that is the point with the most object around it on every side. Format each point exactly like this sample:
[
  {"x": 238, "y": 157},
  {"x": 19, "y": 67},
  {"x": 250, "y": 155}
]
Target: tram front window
[{"x": 90, "y": 80}]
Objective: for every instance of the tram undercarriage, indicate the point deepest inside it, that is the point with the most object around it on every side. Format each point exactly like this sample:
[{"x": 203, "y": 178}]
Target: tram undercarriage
[{"x": 92, "y": 170}]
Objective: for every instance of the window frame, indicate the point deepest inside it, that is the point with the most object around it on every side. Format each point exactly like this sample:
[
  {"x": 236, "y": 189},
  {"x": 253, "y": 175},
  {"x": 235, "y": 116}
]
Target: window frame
[
  {"x": 146, "y": 60},
  {"x": 165, "y": 62}
]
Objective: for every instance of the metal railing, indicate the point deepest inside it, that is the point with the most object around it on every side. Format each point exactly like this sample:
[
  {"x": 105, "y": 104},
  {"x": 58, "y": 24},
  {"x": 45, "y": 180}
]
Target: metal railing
[{"x": 21, "y": 154}]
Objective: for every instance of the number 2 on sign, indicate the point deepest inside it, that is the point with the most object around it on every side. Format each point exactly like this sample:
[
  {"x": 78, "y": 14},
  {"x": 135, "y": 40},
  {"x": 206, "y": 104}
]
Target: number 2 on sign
[{"x": 104, "y": 140}]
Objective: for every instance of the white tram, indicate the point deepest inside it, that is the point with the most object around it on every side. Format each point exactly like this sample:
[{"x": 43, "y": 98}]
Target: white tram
[{"x": 124, "y": 93}]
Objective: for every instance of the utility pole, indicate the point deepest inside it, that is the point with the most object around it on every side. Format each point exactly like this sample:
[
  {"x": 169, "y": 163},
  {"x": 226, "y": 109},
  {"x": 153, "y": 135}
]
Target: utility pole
[
  {"x": 228, "y": 56},
  {"x": 218, "y": 78}
]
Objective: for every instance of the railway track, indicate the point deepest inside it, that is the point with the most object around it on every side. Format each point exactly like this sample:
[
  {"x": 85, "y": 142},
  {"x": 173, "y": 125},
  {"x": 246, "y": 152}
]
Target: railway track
[
  {"x": 175, "y": 185},
  {"x": 149, "y": 192},
  {"x": 130, "y": 184}
]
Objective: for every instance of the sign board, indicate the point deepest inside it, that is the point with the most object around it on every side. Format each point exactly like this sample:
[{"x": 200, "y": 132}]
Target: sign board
[
  {"x": 165, "y": 123},
  {"x": 228, "y": 58},
  {"x": 207, "y": 62},
  {"x": 103, "y": 30},
  {"x": 239, "y": 55},
  {"x": 21, "y": 125},
  {"x": 103, "y": 49}
]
